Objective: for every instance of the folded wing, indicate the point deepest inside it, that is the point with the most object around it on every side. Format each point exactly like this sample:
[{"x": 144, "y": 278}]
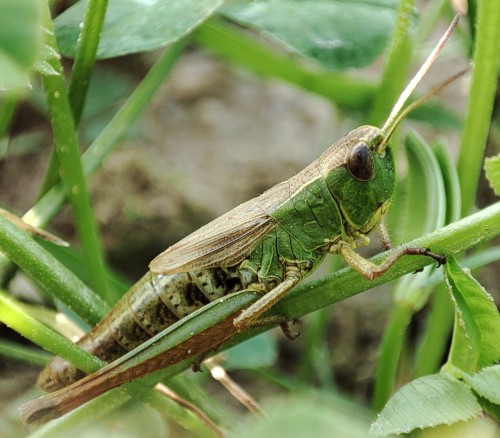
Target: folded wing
[{"x": 223, "y": 242}]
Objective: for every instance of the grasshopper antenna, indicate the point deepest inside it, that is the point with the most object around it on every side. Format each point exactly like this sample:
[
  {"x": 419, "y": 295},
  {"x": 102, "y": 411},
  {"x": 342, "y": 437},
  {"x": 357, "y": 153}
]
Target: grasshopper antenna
[{"x": 395, "y": 117}]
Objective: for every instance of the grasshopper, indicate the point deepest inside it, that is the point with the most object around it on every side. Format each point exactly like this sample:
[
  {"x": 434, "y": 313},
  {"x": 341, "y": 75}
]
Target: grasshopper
[{"x": 266, "y": 245}]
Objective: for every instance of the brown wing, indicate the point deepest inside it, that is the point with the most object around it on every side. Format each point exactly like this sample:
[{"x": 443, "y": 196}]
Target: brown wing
[
  {"x": 226, "y": 240},
  {"x": 223, "y": 242}
]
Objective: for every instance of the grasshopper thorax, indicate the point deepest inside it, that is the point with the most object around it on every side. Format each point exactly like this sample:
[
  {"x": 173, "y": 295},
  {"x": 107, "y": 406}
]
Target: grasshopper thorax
[{"x": 359, "y": 178}]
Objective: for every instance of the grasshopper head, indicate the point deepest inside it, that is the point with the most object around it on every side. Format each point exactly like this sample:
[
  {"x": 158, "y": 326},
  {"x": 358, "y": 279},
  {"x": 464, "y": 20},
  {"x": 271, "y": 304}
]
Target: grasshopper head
[
  {"x": 360, "y": 178},
  {"x": 359, "y": 169}
]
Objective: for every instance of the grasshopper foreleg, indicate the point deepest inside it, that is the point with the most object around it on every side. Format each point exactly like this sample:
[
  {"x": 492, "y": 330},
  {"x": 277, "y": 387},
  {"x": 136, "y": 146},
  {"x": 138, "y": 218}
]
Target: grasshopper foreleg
[
  {"x": 384, "y": 236},
  {"x": 371, "y": 270}
]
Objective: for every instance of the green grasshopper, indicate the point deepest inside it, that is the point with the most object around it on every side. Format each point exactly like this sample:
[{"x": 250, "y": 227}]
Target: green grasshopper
[{"x": 266, "y": 245}]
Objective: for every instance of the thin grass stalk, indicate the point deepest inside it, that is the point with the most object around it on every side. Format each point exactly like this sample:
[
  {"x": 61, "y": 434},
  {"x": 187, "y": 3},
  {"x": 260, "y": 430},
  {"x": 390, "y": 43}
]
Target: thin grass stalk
[
  {"x": 49, "y": 273},
  {"x": 435, "y": 338},
  {"x": 392, "y": 345},
  {"x": 14, "y": 317},
  {"x": 30, "y": 355},
  {"x": 86, "y": 52},
  {"x": 81, "y": 73},
  {"x": 227, "y": 41},
  {"x": 68, "y": 153}
]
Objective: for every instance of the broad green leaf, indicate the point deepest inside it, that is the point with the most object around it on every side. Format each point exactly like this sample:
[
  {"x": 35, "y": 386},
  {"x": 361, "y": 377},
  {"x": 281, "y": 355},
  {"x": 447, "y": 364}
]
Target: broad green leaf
[
  {"x": 482, "y": 427},
  {"x": 477, "y": 328},
  {"x": 426, "y": 402},
  {"x": 242, "y": 48},
  {"x": 465, "y": 346},
  {"x": 337, "y": 34},
  {"x": 487, "y": 383},
  {"x": 492, "y": 169},
  {"x": 133, "y": 26},
  {"x": 20, "y": 41}
]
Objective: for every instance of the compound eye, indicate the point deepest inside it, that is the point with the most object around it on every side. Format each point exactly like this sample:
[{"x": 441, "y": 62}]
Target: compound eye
[{"x": 360, "y": 162}]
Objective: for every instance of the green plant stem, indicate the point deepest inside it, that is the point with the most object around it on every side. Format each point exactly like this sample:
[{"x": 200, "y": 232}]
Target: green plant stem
[
  {"x": 85, "y": 55},
  {"x": 80, "y": 76},
  {"x": 480, "y": 103},
  {"x": 68, "y": 154},
  {"x": 51, "y": 176},
  {"x": 387, "y": 365},
  {"x": 49, "y": 273},
  {"x": 450, "y": 240},
  {"x": 231, "y": 43},
  {"x": 396, "y": 68},
  {"x": 15, "y": 318}
]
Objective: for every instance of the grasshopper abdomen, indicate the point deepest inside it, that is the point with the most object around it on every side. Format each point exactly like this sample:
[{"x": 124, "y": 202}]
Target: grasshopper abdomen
[{"x": 154, "y": 303}]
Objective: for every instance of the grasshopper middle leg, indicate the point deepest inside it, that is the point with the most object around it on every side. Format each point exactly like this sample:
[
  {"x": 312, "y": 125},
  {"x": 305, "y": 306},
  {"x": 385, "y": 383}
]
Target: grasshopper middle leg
[{"x": 250, "y": 316}]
